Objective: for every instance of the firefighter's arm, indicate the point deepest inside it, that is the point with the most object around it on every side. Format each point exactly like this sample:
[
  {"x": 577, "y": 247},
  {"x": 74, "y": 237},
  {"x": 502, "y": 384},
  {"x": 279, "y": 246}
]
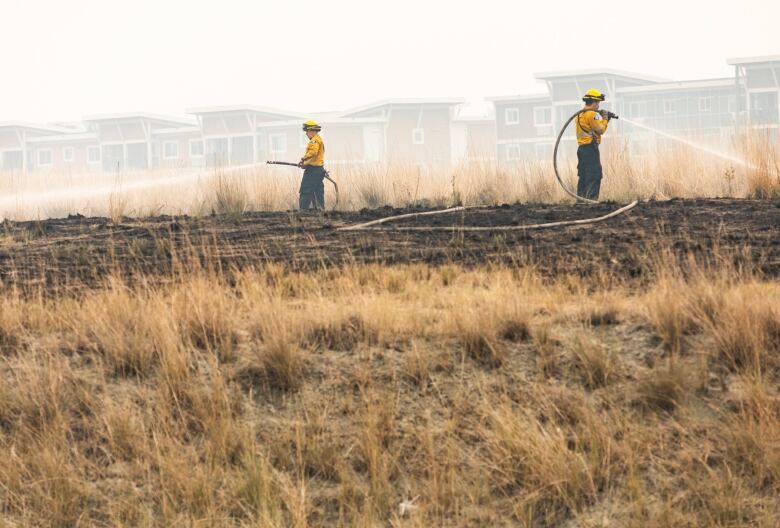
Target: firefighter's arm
[
  {"x": 312, "y": 149},
  {"x": 597, "y": 123}
]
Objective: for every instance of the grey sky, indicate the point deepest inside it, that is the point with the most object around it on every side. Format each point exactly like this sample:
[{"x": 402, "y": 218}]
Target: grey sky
[{"x": 66, "y": 59}]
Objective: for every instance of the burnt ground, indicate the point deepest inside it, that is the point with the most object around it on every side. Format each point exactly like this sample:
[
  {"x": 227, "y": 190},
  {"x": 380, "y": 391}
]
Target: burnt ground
[{"x": 79, "y": 250}]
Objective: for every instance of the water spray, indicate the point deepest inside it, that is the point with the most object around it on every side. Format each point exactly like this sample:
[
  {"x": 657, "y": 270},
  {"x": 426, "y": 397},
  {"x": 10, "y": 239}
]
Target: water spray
[
  {"x": 684, "y": 141},
  {"x": 692, "y": 144},
  {"x": 40, "y": 198}
]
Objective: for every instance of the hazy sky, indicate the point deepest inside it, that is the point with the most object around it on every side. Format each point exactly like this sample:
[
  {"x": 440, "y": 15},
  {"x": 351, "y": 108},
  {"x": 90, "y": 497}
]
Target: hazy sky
[{"x": 63, "y": 59}]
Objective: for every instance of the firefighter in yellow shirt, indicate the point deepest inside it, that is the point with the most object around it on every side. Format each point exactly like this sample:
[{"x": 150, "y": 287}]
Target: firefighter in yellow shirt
[
  {"x": 591, "y": 124},
  {"x": 312, "y": 192}
]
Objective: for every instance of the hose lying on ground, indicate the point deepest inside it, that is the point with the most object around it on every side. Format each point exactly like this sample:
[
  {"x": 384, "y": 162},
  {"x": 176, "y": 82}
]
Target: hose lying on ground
[
  {"x": 401, "y": 217},
  {"x": 368, "y": 226}
]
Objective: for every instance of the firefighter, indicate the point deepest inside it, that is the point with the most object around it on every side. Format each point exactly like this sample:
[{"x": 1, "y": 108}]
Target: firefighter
[
  {"x": 312, "y": 193},
  {"x": 591, "y": 125}
]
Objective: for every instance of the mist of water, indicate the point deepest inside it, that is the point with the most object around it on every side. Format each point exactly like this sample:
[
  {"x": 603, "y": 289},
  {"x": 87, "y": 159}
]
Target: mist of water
[
  {"x": 692, "y": 144},
  {"x": 42, "y": 198}
]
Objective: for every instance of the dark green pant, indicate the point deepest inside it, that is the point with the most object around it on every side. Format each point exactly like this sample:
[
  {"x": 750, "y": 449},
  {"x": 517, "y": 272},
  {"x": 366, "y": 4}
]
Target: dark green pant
[
  {"x": 312, "y": 193},
  {"x": 589, "y": 171}
]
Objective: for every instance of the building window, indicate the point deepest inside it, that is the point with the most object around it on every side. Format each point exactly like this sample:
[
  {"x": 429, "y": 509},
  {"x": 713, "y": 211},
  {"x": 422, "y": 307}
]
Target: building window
[
  {"x": 44, "y": 158},
  {"x": 418, "y": 136},
  {"x": 512, "y": 116},
  {"x": 93, "y": 154},
  {"x": 67, "y": 154},
  {"x": 763, "y": 108},
  {"x": 669, "y": 106},
  {"x": 11, "y": 159},
  {"x": 171, "y": 150},
  {"x": 705, "y": 104},
  {"x": 278, "y": 143},
  {"x": 196, "y": 148},
  {"x": 542, "y": 116},
  {"x": 634, "y": 110},
  {"x": 513, "y": 152}
]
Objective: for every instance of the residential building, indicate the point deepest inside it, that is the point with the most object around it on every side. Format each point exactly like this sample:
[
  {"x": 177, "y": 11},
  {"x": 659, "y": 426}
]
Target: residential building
[
  {"x": 17, "y": 145},
  {"x": 524, "y": 126},
  {"x": 417, "y": 131},
  {"x": 527, "y": 125},
  {"x": 127, "y": 141},
  {"x": 757, "y": 80},
  {"x": 421, "y": 131},
  {"x": 412, "y": 131},
  {"x": 68, "y": 153},
  {"x": 655, "y": 111},
  {"x": 704, "y": 111},
  {"x": 230, "y": 133}
]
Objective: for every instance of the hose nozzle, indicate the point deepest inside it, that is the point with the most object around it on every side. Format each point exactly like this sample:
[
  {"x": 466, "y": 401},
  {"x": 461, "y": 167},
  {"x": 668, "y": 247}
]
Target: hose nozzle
[{"x": 606, "y": 114}]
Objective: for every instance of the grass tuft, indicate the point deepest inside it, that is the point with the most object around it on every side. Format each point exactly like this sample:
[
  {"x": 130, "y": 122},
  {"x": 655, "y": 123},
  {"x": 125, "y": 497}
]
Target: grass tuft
[{"x": 663, "y": 389}]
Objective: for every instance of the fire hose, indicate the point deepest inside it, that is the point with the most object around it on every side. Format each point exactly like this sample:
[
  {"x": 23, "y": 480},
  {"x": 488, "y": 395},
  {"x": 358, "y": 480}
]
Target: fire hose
[
  {"x": 374, "y": 224},
  {"x": 327, "y": 177},
  {"x": 574, "y": 195}
]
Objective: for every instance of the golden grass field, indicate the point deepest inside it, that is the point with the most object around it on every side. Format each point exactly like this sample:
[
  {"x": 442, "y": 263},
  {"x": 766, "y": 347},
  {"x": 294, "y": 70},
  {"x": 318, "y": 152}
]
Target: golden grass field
[
  {"x": 483, "y": 397},
  {"x": 411, "y": 395}
]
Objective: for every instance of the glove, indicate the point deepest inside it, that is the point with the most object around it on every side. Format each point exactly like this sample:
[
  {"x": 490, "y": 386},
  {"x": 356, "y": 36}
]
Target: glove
[
  {"x": 606, "y": 114},
  {"x": 300, "y": 164}
]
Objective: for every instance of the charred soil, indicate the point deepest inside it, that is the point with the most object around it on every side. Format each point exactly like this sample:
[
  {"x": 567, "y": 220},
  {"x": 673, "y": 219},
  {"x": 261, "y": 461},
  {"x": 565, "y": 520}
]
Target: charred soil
[{"x": 84, "y": 250}]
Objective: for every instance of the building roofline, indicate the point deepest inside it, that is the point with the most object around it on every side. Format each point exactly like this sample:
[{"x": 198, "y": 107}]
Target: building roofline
[
  {"x": 451, "y": 101},
  {"x": 679, "y": 85},
  {"x": 140, "y": 115},
  {"x": 601, "y": 71},
  {"x": 54, "y": 129},
  {"x": 242, "y": 108},
  {"x": 333, "y": 121},
  {"x": 753, "y": 60},
  {"x": 519, "y": 97}
]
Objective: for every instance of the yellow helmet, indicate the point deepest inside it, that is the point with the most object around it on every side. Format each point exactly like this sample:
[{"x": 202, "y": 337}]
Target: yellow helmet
[
  {"x": 593, "y": 95},
  {"x": 311, "y": 125}
]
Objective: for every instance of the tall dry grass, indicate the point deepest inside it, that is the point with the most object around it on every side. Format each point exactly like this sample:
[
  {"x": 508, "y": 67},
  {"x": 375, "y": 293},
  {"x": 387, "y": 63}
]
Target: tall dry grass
[
  {"x": 475, "y": 397},
  {"x": 671, "y": 172}
]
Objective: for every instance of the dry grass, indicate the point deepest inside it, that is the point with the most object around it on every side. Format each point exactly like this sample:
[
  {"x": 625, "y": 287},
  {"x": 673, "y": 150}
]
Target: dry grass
[
  {"x": 229, "y": 194},
  {"x": 676, "y": 171},
  {"x": 763, "y": 178},
  {"x": 595, "y": 363},
  {"x": 484, "y": 397},
  {"x": 664, "y": 388}
]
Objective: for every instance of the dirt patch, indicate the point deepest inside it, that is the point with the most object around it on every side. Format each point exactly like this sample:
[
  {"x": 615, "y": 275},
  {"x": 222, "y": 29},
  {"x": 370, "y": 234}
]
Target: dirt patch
[{"x": 85, "y": 250}]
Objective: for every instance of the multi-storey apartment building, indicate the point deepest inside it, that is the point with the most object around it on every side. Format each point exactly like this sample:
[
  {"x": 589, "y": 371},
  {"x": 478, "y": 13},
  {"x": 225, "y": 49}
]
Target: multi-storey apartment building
[
  {"x": 425, "y": 131},
  {"x": 705, "y": 111},
  {"x": 757, "y": 80},
  {"x": 708, "y": 111}
]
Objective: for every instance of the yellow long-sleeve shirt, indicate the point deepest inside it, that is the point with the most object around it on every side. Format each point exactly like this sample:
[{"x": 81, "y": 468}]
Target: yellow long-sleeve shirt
[
  {"x": 315, "y": 152},
  {"x": 590, "y": 126}
]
